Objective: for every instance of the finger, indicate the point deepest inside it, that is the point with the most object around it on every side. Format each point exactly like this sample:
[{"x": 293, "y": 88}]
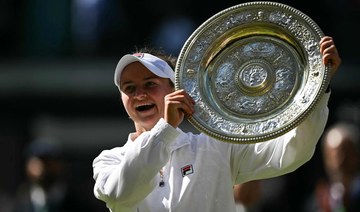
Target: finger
[
  {"x": 329, "y": 48},
  {"x": 184, "y": 94},
  {"x": 182, "y": 101},
  {"x": 327, "y": 45},
  {"x": 188, "y": 110},
  {"x": 329, "y": 51},
  {"x": 325, "y": 38},
  {"x": 334, "y": 61},
  {"x": 331, "y": 55}
]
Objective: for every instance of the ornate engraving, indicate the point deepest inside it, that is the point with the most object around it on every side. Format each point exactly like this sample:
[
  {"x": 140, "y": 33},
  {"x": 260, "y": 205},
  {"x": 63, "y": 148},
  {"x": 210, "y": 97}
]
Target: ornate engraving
[
  {"x": 253, "y": 76},
  {"x": 254, "y": 70}
]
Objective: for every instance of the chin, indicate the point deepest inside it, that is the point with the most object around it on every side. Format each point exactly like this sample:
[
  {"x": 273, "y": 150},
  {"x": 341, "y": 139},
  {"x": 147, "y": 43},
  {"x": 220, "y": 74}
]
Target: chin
[{"x": 148, "y": 125}]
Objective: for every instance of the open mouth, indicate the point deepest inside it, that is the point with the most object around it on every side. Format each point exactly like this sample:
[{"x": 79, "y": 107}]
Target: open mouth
[{"x": 144, "y": 107}]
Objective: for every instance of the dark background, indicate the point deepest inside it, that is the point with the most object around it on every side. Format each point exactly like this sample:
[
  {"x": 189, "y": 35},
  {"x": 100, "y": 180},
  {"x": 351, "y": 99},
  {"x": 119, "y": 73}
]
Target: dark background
[{"x": 57, "y": 60}]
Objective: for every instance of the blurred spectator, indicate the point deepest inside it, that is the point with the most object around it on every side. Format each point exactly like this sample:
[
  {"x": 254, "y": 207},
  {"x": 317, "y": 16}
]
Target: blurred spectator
[
  {"x": 44, "y": 189},
  {"x": 172, "y": 33},
  {"x": 340, "y": 190},
  {"x": 247, "y": 195}
]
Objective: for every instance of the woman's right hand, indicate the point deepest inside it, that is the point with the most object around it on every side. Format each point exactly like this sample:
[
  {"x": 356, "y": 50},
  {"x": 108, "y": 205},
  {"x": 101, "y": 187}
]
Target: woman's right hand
[{"x": 177, "y": 105}]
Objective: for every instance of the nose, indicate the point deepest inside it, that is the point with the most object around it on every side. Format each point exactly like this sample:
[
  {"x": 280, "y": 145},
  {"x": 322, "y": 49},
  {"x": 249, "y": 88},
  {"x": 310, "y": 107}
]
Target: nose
[{"x": 140, "y": 94}]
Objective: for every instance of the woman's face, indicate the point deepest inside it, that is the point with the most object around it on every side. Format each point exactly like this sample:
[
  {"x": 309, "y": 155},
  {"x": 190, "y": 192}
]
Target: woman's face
[{"x": 142, "y": 94}]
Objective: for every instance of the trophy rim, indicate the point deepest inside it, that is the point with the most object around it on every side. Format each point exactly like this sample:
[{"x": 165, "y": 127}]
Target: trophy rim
[{"x": 218, "y": 19}]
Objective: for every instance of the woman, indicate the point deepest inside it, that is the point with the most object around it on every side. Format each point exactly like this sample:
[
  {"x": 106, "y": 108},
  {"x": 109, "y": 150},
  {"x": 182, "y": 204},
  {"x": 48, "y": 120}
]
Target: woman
[{"x": 161, "y": 168}]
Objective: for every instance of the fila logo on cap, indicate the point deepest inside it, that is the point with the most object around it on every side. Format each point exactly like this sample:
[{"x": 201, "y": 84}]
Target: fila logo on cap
[{"x": 139, "y": 55}]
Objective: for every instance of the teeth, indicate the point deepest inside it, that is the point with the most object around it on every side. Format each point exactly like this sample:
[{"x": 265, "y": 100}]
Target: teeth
[
  {"x": 148, "y": 104},
  {"x": 144, "y": 107}
]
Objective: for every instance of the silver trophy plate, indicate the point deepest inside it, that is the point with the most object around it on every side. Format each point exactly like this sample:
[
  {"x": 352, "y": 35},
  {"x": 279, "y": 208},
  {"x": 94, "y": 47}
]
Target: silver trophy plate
[{"x": 254, "y": 70}]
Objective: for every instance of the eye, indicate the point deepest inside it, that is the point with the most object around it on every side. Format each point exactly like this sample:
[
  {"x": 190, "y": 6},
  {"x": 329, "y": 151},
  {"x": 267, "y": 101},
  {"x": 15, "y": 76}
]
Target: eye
[
  {"x": 150, "y": 84},
  {"x": 128, "y": 89}
]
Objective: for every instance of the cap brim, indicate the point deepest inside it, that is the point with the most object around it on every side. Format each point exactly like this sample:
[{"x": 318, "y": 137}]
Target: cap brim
[
  {"x": 127, "y": 59},
  {"x": 124, "y": 61}
]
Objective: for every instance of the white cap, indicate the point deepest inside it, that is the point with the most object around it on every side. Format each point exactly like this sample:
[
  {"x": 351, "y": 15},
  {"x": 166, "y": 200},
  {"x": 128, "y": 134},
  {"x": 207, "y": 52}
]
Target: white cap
[{"x": 156, "y": 65}]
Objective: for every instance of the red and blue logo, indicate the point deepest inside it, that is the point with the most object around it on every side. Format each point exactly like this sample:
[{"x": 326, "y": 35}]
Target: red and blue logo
[
  {"x": 186, "y": 170},
  {"x": 139, "y": 55}
]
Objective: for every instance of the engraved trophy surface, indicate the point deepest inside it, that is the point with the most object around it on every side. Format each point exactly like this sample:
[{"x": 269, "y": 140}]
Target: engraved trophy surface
[{"x": 254, "y": 71}]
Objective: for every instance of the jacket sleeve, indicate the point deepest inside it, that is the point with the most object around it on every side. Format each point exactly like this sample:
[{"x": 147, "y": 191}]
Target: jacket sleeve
[
  {"x": 126, "y": 175},
  {"x": 283, "y": 154}
]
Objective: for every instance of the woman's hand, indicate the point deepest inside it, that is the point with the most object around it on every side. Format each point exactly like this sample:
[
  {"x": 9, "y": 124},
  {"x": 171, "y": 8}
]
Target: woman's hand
[
  {"x": 177, "y": 105},
  {"x": 330, "y": 54}
]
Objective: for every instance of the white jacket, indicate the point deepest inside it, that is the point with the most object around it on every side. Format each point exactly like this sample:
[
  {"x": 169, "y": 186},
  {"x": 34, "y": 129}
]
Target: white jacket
[{"x": 199, "y": 171}]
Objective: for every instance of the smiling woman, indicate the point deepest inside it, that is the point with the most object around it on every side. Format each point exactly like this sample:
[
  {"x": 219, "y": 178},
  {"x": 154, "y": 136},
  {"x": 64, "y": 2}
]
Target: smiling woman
[
  {"x": 143, "y": 81},
  {"x": 162, "y": 168},
  {"x": 142, "y": 93}
]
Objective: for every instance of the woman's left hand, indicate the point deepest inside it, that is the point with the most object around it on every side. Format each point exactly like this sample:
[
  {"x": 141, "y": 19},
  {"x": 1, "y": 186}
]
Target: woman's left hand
[{"x": 330, "y": 54}]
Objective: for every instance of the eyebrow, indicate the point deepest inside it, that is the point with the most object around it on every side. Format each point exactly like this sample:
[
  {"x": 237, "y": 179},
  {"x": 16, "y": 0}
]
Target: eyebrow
[{"x": 146, "y": 78}]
